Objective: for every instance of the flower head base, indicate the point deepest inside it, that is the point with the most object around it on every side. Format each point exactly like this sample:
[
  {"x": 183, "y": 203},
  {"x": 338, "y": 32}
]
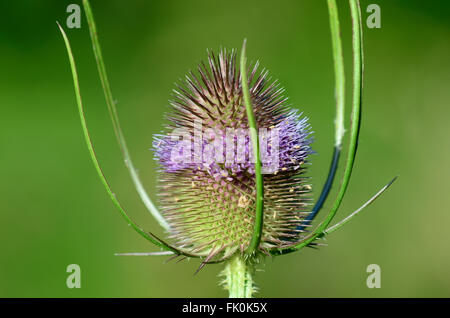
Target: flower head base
[{"x": 207, "y": 177}]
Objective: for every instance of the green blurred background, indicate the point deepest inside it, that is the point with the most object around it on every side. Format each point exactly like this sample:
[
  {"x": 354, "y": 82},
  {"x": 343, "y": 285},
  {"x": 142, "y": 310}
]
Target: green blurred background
[{"x": 55, "y": 212}]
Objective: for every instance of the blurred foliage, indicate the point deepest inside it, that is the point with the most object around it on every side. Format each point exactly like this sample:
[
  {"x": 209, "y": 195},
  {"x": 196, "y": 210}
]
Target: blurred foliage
[{"x": 55, "y": 212}]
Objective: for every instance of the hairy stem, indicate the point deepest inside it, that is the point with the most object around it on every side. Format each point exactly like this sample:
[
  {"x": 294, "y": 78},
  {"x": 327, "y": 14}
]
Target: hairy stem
[{"x": 239, "y": 278}]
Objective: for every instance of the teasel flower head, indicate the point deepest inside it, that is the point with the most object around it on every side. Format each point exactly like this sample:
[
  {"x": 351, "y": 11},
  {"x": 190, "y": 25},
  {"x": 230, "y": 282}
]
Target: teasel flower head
[
  {"x": 216, "y": 201},
  {"x": 206, "y": 165}
]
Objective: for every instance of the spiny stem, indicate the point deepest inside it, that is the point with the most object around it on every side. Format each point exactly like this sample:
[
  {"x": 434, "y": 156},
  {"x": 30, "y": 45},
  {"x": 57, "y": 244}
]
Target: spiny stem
[{"x": 239, "y": 278}]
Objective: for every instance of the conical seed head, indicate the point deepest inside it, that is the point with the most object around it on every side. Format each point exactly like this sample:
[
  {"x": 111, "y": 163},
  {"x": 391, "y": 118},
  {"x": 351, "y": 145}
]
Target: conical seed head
[{"x": 207, "y": 178}]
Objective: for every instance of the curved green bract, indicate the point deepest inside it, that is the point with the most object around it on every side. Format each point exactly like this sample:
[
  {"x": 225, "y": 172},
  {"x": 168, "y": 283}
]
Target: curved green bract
[
  {"x": 354, "y": 131},
  {"x": 339, "y": 73},
  {"x": 338, "y": 60},
  {"x": 257, "y": 229},
  {"x": 149, "y": 236},
  {"x": 115, "y": 119},
  {"x": 338, "y": 225},
  {"x": 345, "y": 220}
]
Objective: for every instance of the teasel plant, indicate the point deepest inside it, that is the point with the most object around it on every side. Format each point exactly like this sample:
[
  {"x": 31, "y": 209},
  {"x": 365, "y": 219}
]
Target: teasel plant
[{"x": 237, "y": 213}]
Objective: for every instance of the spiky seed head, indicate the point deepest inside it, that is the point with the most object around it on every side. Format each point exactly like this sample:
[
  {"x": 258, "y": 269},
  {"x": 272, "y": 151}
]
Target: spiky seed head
[{"x": 207, "y": 178}]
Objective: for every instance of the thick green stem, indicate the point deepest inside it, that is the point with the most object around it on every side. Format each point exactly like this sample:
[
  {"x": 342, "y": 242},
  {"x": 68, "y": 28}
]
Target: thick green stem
[{"x": 239, "y": 278}]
